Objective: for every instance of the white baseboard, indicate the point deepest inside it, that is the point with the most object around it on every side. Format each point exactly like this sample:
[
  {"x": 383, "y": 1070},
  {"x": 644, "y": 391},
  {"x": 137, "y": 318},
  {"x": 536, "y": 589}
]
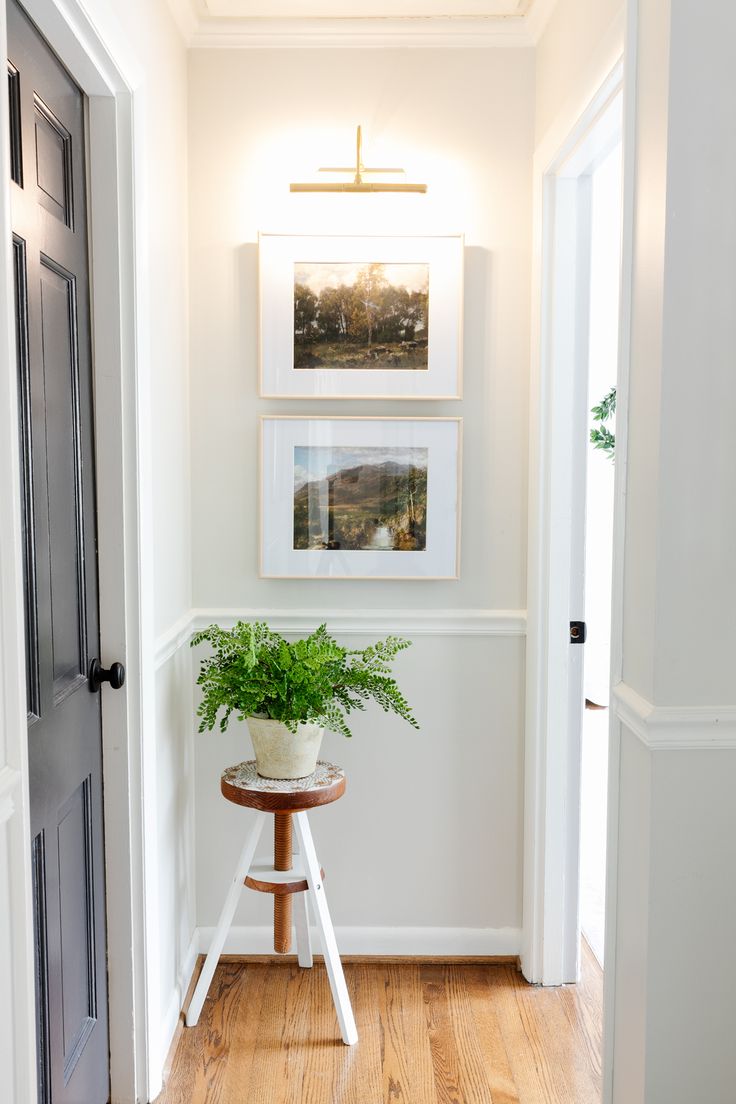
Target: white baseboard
[
  {"x": 382, "y": 941},
  {"x": 170, "y": 1020}
]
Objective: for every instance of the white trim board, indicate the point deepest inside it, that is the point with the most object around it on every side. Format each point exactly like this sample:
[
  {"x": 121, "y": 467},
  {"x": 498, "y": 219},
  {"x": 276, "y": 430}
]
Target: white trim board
[
  {"x": 9, "y": 779},
  {"x": 172, "y": 1015},
  {"x": 551, "y": 763},
  {"x": 410, "y": 623},
  {"x": 407, "y": 941},
  {"x": 675, "y": 727}
]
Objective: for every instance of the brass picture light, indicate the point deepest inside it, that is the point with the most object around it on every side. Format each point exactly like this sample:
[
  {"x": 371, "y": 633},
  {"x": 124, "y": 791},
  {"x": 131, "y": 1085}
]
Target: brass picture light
[{"x": 358, "y": 184}]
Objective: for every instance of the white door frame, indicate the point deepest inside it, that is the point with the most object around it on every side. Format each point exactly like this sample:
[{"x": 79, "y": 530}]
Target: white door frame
[
  {"x": 550, "y": 952},
  {"x": 109, "y": 77}
]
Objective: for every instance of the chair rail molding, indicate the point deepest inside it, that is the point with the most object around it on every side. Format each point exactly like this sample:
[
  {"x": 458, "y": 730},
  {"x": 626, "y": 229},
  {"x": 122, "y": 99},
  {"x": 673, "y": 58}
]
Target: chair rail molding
[
  {"x": 449, "y": 622},
  {"x": 675, "y": 727},
  {"x": 202, "y": 31}
]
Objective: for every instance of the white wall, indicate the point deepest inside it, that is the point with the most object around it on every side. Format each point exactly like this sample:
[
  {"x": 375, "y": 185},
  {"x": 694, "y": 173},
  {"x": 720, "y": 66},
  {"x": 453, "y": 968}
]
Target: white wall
[
  {"x": 673, "y": 1019},
  {"x": 463, "y": 122},
  {"x": 143, "y": 36},
  {"x": 428, "y": 835},
  {"x": 580, "y": 45},
  {"x": 155, "y": 45}
]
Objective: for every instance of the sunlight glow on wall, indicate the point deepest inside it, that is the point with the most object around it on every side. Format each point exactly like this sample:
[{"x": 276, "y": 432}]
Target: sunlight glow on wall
[{"x": 285, "y": 155}]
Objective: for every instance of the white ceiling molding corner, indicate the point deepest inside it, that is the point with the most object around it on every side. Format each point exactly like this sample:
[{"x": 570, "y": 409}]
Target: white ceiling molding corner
[
  {"x": 537, "y": 17},
  {"x": 187, "y": 18},
  {"x": 201, "y": 30}
]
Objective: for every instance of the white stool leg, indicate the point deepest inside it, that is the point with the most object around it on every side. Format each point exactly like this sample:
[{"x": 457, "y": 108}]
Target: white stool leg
[
  {"x": 339, "y": 989},
  {"x": 301, "y": 925},
  {"x": 226, "y": 919}
]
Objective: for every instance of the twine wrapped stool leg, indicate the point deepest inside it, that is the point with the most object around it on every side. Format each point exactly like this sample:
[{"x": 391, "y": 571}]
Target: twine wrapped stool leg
[{"x": 282, "y": 860}]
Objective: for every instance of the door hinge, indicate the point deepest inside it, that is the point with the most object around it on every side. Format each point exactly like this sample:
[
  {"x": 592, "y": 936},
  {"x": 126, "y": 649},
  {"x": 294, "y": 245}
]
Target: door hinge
[{"x": 578, "y": 632}]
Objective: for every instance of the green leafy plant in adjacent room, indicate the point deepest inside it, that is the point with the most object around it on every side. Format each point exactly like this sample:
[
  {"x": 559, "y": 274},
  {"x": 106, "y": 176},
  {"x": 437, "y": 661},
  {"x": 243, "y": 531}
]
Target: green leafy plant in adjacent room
[
  {"x": 601, "y": 436},
  {"x": 254, "y": 671}
]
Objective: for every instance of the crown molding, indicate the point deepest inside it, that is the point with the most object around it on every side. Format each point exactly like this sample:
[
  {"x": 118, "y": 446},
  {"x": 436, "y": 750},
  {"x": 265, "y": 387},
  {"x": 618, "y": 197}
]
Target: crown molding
[
  {"x": 203, "y": 31},
  {"x": 355, "y": 33},
  {"x": 675, "y": 727}
]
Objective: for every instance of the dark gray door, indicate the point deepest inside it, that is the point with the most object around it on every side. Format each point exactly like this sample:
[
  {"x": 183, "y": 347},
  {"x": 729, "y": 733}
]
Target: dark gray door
[{"x": 58, "y": 496}]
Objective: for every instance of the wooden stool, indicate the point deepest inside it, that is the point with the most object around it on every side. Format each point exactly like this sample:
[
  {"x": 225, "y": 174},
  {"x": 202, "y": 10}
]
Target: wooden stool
[{"x": 291, "y": 876}]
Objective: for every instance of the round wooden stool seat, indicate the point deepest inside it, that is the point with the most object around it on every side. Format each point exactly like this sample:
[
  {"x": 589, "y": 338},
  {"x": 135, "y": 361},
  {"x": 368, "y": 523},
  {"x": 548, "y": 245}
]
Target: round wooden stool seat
[{"x": 244, "y": 785}]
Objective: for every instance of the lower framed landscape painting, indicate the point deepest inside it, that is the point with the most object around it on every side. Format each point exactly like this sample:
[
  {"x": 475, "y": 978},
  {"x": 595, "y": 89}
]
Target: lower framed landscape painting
[
  {"x": 360, "y": 316},
  {"x": 360, "y": 498}
]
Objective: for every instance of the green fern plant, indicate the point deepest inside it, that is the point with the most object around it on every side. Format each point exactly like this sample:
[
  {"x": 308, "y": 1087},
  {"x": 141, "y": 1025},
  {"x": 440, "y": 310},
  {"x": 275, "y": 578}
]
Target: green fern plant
[
  {"x": 601, "y": 436},
  {"x": 254, "y": 671}
]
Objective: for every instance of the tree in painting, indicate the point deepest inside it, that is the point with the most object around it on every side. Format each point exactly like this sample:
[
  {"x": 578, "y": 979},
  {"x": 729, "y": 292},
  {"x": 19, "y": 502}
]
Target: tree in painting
[{"x": 361, "y": 316}]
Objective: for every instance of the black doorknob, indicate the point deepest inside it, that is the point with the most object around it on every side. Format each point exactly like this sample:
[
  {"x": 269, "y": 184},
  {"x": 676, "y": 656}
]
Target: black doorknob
[{"x": 115, "y": 675}]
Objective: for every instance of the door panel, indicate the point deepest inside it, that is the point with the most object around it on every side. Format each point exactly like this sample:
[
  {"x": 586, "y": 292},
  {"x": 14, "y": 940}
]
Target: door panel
[
  {"x": 76, "y": 923},
  {"x": 53, "y": 162},
  {"x": 59, "y": 523},
  {"x": 27, "y": 507},
  {"x": 63, "y": 462}
]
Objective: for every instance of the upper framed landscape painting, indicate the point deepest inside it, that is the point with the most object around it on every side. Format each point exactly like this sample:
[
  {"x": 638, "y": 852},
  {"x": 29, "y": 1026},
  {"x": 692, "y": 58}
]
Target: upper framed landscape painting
[
  {"x": 361, "y": 317},
  {"x": 360, "y": 498}
]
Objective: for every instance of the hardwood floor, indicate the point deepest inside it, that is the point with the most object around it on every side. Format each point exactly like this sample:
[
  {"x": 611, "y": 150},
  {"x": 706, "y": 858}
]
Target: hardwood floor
[{"x": 429, "y": 1034}]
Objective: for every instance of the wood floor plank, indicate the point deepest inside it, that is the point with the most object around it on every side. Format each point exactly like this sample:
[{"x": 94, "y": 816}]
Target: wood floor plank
[
  {"x": 358, "y": 1067},
  {"x": 546, "y": 1056},
  {"x": 503, "y": 1086},
  {"x": 320, "y": 1067},
  {"x": 458, "y": 1068},
  {"x": 525, "y": 1049},
  {"x": 428, "y": 1034},
  {"x": 583, "y": 1004},
  {"x": 474, "y": 1071},
  {"x": 406, "y": 1057},
  {"x": 444, "y": 1052},
  {"x": 285, "y": 1006},
  {"x": 204, "y": 1055}
]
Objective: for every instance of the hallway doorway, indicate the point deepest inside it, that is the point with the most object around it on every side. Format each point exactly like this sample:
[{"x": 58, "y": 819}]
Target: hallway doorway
[
  {"x": 605, "y": 265},
  {"x": 575, "y": 345}
]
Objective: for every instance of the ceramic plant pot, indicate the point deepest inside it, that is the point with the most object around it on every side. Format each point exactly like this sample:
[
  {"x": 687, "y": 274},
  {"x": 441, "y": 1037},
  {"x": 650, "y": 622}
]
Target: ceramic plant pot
[{"x": 281, "y": 753}]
